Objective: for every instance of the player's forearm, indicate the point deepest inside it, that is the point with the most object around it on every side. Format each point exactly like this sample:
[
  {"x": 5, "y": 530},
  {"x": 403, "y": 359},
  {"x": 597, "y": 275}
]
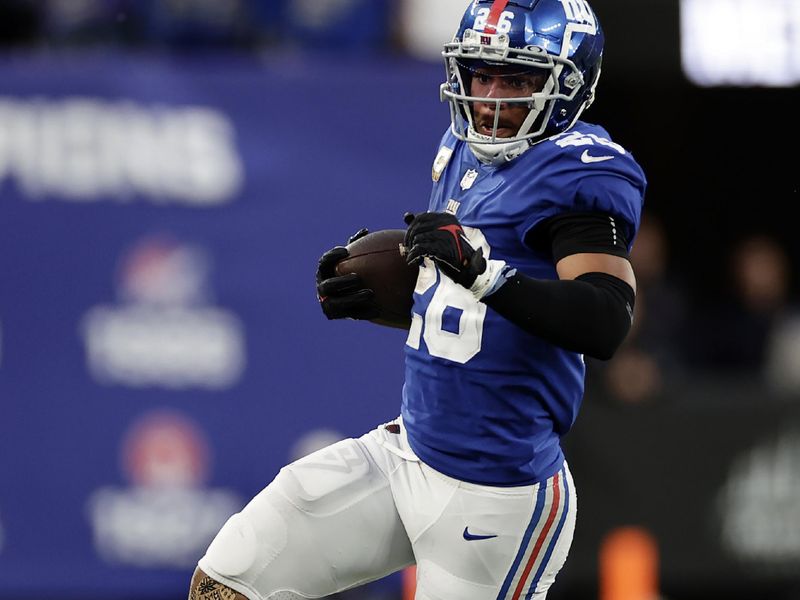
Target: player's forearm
[{"x": 591, "y": 314}]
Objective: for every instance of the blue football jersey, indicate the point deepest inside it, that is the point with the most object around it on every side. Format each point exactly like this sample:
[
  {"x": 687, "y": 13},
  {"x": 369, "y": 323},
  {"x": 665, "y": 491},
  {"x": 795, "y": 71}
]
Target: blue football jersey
[{"x": 483, "y": 400}]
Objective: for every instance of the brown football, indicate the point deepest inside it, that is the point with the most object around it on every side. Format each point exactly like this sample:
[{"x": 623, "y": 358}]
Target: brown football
[{"x": 376, "y": 258}]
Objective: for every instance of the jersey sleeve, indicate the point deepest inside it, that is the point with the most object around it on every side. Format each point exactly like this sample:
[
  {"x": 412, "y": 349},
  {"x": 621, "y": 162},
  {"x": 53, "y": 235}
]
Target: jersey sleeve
[
  {"x": 613, "y": 196},
  {"x": 586, "y": 172}
]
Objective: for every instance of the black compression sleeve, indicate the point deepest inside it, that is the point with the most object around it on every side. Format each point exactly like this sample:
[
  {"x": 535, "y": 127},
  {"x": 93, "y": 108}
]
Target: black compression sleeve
[
  {"x": 571, "y": 233},
  {"x": 591, "y": 314}
]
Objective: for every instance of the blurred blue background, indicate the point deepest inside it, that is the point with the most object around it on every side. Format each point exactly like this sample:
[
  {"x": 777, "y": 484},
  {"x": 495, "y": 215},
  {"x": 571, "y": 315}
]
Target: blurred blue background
[{"x": 170, "y": 172}]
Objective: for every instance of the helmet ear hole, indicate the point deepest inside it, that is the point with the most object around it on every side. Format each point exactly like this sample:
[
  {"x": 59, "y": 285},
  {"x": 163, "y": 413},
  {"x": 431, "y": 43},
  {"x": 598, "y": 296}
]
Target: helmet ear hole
[{"x": 573, "y": 80}]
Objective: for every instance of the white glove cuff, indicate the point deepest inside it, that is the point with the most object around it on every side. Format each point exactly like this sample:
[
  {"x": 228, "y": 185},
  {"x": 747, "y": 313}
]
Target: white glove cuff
[{"x": 496, "y": 274}]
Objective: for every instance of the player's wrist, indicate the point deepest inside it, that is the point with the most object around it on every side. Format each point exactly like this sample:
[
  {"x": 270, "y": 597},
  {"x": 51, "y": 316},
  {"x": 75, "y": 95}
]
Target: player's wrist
[{"x": 492, "y": 279}]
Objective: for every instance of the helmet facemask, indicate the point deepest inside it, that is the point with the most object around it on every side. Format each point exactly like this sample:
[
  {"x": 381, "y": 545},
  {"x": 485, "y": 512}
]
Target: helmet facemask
[{"x": 563, "y": 82}]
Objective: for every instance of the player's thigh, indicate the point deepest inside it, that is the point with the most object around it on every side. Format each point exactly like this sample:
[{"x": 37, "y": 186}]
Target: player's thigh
[
  {"x": 498, "y": 543},
  {"x": 326, "y": 523}
]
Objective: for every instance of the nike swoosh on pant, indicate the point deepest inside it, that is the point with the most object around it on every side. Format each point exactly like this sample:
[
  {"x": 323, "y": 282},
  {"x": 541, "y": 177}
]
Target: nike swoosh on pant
[{"x": 473, "y": 536}]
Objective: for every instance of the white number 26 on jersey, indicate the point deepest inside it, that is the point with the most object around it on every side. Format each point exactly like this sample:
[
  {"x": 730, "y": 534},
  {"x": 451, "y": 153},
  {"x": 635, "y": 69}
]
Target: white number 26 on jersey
[{"x": 452, "y": 325}]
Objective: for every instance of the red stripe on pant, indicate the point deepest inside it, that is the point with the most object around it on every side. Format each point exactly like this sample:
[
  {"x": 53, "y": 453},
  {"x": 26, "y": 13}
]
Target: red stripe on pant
[{"x": 542, "y": 537}]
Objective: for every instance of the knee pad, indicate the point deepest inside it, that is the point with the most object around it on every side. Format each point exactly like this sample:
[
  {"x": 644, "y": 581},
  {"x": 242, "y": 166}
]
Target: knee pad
[{"x": 237, "y": 545}]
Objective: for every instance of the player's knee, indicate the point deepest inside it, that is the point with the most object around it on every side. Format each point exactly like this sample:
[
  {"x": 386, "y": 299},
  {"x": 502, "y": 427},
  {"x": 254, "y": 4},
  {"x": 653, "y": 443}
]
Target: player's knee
[{"x": 204, "y": 587}]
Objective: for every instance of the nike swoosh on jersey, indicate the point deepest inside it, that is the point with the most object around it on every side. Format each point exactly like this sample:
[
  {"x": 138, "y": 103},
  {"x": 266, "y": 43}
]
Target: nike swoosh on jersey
[
  {"x": 474, "y": 536},
  {"x": 588, "y": 158}
]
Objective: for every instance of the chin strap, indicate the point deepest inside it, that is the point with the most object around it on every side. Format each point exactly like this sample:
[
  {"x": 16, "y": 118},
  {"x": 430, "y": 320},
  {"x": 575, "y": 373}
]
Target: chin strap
[{"x": 497, "y": 153}]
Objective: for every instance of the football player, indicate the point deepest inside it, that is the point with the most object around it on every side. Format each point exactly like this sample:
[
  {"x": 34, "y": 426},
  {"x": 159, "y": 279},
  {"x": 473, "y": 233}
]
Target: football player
[{"x": 523, "y": 270}]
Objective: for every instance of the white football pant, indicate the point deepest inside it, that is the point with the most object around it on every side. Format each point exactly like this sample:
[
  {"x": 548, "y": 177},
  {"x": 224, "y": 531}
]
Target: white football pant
[{"x": 363, "y": 508}]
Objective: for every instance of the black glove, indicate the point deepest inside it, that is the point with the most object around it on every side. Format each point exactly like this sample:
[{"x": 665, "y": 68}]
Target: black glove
[
  {"x": 343, "y": 296},
  {"x": 439, "y": 236}
]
